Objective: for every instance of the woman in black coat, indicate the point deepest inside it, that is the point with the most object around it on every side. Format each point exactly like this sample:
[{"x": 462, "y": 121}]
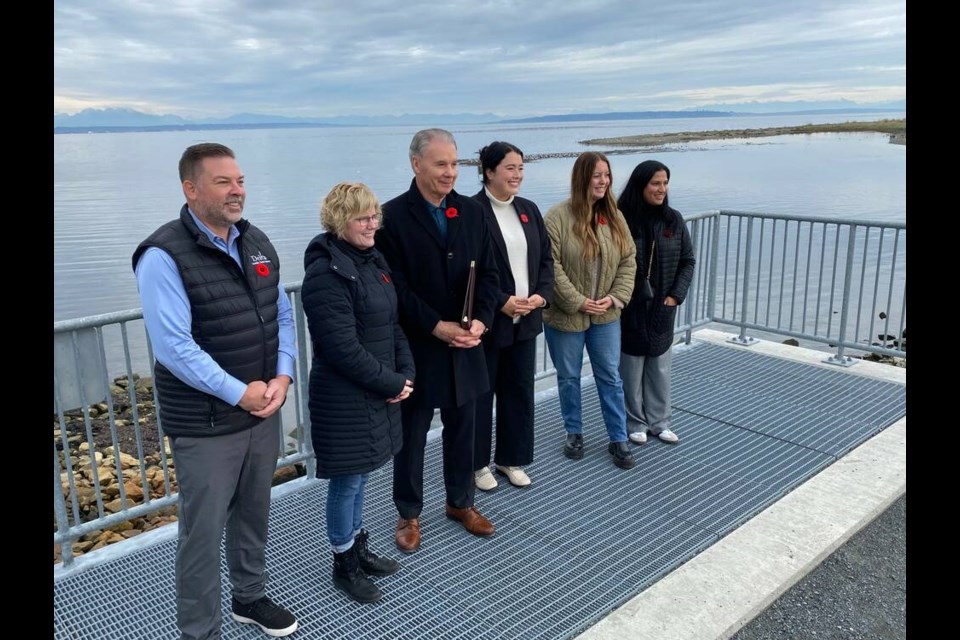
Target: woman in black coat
[
  {"x": 665, "y": 258},
  {"x": 362, "y": 369},
  {"x": 525, "y": 267}
]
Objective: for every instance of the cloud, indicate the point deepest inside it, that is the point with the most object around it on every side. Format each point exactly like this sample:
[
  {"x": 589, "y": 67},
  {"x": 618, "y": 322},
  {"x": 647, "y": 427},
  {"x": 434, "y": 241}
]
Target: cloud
[{"x": 518, "y": 57}]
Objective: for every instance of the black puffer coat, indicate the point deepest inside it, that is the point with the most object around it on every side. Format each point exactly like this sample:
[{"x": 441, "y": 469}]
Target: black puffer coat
[
  {"x": 647, "y": 327},
  {"x": 361, "y": 357}
]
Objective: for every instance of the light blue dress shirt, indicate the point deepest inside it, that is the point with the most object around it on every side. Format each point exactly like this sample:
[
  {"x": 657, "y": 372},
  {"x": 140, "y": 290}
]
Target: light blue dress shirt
[{"x": 167, "y": 316}]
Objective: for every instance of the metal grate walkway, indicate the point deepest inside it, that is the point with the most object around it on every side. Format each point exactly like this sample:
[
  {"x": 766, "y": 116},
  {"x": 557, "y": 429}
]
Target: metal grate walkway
[{"x": 585, "y": 538}]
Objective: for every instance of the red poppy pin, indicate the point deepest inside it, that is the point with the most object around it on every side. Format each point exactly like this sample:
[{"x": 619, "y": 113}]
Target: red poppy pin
[
  {"x": 601, "y": 220},
  {"x": 451, "y": 212},
  {"x": 668, "y": 233},
  {"x": 385, "y": 277},
  {"x": 524, "y": 219},
  {"x": 262, "y": 269}
]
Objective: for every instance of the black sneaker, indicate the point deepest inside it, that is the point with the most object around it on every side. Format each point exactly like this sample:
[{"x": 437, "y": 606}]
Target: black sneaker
[
  {"x": 273, "y": 619},
  {"x": 573, "y": 448},
  {"x": 621, "y": 454}
]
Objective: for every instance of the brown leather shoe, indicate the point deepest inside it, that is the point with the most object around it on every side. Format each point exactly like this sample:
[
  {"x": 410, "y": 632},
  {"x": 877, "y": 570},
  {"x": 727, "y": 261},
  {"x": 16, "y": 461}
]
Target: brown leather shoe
[
  {"x": 408, "y": 534},
  {"x": 472, "y": 520}
]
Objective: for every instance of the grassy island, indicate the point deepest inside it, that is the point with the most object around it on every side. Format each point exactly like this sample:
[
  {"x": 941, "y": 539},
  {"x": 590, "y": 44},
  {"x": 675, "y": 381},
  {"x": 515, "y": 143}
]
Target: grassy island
[{"x": 896, "y": 129}]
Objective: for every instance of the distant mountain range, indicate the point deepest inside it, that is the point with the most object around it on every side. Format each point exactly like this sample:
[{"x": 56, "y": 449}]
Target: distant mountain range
[
  {"x": 107, "y": 120},
  {"x": 801, "y": 106},
  {"x": 621, "y": 115},
  {"x": 130, "y": 120}
]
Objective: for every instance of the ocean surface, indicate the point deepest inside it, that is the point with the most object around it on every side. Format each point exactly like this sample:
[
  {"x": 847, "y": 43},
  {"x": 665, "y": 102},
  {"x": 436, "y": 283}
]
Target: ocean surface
[{"x": 111, "y": 190}]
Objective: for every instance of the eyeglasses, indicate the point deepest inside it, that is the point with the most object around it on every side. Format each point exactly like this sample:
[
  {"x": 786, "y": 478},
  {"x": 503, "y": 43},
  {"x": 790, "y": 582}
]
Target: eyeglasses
[{"x": 369, "y": 221}]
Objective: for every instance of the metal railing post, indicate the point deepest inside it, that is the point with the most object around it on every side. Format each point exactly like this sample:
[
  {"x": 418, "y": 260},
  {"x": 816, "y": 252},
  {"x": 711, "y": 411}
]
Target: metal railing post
[
  {"x": 840, "y": 359},
  {"x": 743, "y": 338},
  {"x": 712, "y": 278},
  {"x": 303, "y": 367}
]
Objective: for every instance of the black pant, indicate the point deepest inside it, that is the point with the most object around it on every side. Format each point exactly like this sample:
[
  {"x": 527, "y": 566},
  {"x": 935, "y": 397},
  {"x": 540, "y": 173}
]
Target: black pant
[
  {"x": 458, "y": 425},
  {"x": 511, "y": 371}
]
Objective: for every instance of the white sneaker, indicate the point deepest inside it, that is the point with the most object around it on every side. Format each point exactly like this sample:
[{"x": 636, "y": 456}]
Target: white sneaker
[
  {"x": 515, "y": 475},
  {"x": 638, "y": 437},
  {"x": 668, "y": 436},
  {"x": 484, "y": 479}
]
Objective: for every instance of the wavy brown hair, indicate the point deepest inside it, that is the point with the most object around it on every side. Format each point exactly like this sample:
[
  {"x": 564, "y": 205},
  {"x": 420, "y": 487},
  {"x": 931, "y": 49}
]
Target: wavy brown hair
[{"x": 585, "y": 216}]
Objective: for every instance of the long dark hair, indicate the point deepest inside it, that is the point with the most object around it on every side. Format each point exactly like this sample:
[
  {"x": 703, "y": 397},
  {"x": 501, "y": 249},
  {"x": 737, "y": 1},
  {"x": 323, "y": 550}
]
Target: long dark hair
[{"x": 631, "y": 202}]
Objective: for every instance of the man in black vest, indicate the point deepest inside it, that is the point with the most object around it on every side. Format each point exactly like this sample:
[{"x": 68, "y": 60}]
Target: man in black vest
[
  {"x": 222, "y": 333},
  {"x": 430, "y": 236}
]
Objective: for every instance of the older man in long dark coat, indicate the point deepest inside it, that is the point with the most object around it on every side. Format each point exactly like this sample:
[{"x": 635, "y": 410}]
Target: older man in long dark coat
[{"x": 430, "y": 236}]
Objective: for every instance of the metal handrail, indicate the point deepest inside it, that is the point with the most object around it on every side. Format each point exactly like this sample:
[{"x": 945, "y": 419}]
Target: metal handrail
[{"x": 756, "y": 280}]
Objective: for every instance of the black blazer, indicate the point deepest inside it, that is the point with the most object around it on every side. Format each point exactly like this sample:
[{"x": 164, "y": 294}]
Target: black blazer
[
  {"x": 540, "y": 270},
  {"x": 430, "y": 276}
]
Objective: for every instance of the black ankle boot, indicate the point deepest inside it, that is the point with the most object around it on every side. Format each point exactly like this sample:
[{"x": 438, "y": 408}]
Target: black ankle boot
[
  {"x": 350, "y": 578},
  {"x": 621, "y": 455},
  {"x": 371, "y": 563},
  {"x": 573, "y": 448}
]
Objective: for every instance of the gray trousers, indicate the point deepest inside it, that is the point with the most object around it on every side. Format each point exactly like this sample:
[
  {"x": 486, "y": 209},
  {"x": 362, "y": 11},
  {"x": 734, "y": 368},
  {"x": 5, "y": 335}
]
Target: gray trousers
[
  {"x": 224, "y": 483},
  {"x": 646, "y": 391}
]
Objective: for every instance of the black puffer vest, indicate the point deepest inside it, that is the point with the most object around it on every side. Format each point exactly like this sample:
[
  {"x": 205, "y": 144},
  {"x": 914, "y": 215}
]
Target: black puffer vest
[{"x": 234, "y": 316}]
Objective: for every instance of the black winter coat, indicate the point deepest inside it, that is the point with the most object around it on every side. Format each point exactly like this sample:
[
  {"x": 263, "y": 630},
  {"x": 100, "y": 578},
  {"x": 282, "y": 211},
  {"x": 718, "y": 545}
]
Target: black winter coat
[
  {"x": 540, "y": 271},
  {"x": 431, "y": 279},
  {"x": 361, "y": 357},
  {"x": 646, "y": 327}
]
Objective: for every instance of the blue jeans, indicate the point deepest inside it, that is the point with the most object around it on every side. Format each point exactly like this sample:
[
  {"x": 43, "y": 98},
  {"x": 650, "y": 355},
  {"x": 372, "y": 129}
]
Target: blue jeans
[
  {"x": 603, "y": 345},
  {"x": 344, "y": 510}
]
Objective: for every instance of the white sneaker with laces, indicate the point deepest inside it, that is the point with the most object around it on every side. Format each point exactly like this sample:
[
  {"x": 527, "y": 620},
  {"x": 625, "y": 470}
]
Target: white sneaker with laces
[
  {"x": 638, "y": 437},
  {"x": 668, "y": 436},
  {"x": 515, "y": 475},
  {"x": 484, "y": 479}
]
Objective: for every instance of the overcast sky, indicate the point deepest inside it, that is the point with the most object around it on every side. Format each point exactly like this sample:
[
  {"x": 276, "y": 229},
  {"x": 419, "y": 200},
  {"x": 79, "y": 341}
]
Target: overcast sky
[{"x": 205, "y": 58}]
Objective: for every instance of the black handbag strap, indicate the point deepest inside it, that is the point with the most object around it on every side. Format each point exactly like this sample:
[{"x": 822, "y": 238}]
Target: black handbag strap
[{"x": 653, "y": 245}]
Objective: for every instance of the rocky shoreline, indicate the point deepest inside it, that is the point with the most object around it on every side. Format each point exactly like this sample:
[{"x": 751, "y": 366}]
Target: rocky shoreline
[{"x": 107, "y": 456}]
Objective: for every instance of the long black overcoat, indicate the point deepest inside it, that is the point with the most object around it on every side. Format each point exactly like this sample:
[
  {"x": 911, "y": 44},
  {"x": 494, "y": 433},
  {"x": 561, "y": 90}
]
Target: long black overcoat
[{"x": 430, "y": 275}]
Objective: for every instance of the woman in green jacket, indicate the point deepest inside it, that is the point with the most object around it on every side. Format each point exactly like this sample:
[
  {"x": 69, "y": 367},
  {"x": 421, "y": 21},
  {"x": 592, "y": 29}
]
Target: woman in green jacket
[{"x": 594, "y": 267}]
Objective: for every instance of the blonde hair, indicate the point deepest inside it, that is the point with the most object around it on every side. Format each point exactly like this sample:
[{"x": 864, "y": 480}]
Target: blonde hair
[
  {"x": 346, "y": 201},
  {"x": 585, "y": 215}
]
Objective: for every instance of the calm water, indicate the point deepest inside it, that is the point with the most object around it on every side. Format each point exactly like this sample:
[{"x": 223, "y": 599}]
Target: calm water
[{"x": 112, "y": 190}]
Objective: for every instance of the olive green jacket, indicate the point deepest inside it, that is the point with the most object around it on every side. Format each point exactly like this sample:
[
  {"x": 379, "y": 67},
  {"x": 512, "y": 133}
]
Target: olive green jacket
[{"x": 573, "y": 275}]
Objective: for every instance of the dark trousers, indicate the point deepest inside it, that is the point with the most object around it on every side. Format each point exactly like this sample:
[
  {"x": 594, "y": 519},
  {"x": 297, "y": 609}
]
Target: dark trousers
[
  {"x": 458, "y": 424},
  {"x": 511, "y": 371},
  {"x": 224, "y": 484}
]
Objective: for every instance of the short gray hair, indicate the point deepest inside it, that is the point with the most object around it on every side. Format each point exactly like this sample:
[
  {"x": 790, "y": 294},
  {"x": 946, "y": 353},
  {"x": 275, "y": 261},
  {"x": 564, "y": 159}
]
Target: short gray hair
[{"x": 422, "y": 138}]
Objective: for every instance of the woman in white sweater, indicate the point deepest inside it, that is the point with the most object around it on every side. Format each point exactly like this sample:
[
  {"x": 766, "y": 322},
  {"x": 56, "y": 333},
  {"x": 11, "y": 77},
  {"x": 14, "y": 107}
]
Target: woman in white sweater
[{"x": 525, "y": 265}]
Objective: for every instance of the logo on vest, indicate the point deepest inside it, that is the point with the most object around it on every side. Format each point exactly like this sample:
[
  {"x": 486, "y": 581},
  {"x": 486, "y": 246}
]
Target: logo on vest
[{"x": 260, "y": 263}]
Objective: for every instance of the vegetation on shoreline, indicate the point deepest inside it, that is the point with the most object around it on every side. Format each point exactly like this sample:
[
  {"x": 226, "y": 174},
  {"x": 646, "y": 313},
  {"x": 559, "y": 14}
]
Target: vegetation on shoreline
[{"x": 896, "y": 129}]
